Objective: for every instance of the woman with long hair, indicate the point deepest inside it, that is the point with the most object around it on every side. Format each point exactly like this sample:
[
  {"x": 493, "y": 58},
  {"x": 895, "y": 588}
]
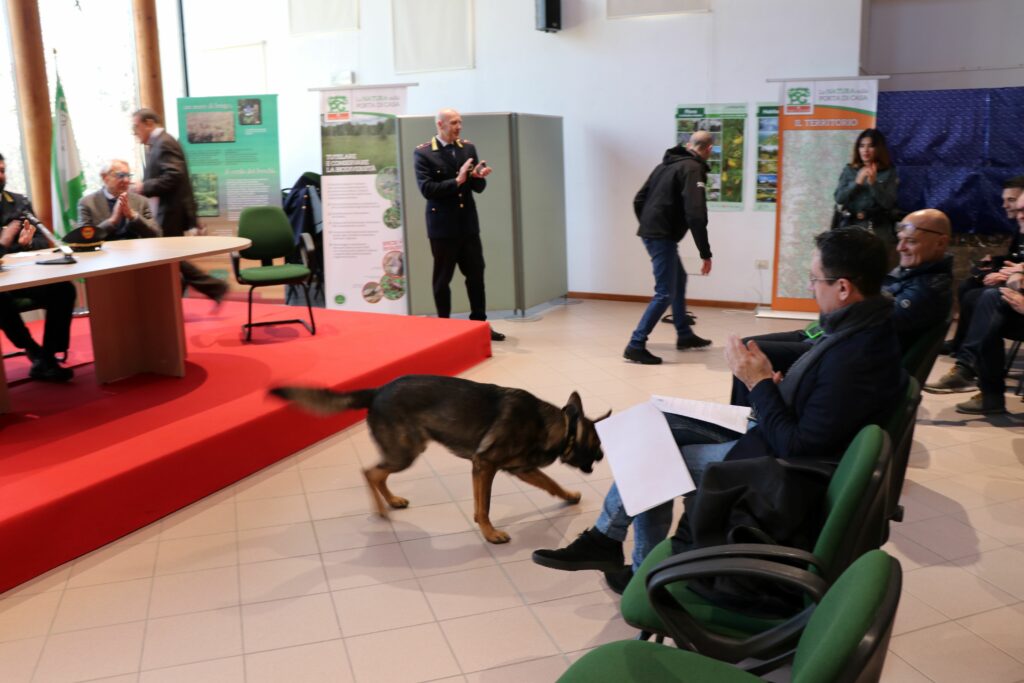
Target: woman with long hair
[{"x": 867, "y": 187}]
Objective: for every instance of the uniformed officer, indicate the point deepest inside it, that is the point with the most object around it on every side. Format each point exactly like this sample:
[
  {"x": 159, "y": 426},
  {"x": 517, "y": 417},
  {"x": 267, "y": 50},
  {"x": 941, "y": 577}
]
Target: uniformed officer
[{"x": 448, "y": 172}]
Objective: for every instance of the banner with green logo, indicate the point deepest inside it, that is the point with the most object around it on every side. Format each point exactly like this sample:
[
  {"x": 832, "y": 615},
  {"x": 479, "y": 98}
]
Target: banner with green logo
[
  {"x": 726, "y": 124},
  {"x": 233, "y": 156},
  {"x": 818, "y": 123},
  {"x": 767, "y": 157},
  {"x": 364, "y": 247}
]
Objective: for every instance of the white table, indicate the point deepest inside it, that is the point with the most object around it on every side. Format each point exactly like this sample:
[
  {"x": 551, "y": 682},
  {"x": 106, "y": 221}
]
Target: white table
[{"x": 134, "y": 293}]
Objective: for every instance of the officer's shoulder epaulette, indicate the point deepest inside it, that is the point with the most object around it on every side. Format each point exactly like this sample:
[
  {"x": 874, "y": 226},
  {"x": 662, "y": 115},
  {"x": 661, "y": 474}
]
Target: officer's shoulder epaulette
[
  {"x": 423, "y": 146},
  {"x": 466, "y": 142}
]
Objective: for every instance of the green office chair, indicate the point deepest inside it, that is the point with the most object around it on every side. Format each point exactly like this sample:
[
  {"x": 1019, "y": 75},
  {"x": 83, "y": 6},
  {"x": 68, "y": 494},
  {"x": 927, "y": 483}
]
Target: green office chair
[
  {"x": 900, "y": 428},
  {"x": 271, "y": 235},
  {"x": 845, "y": 640},
  {"x": 851, "y": 500},
  {"x": 920, "y": 357}
]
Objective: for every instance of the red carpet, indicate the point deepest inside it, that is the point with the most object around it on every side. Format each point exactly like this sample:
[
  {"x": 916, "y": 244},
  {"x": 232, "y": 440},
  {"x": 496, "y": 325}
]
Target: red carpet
[{"x": 83, "y": 464}]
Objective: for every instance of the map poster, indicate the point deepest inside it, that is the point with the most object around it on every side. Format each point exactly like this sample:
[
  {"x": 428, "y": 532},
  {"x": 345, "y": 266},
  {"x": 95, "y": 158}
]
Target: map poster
[
  {"x": 726, "y": 124},
  {"x": 233, "y": 158},
  {"x": 818, "y": 124},
  {"x": 767, "y": 157},
  {"x": 364, "y": 247}
]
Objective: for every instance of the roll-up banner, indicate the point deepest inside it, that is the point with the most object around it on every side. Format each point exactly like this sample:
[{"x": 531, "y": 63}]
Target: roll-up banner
[
  {"x": 364, "y": 250},
  {"x": 818, "y": 124}
]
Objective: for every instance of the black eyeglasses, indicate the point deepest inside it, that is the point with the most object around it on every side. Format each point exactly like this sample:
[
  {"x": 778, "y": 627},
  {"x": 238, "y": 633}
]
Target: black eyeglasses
[
  {"x": 123, "y": 176},
  {"x": 812, "y": 280}
]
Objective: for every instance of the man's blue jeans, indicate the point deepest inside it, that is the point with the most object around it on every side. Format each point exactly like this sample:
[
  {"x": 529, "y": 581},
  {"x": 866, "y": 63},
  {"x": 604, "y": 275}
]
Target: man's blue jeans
[
  {"x": 669, "y": 290},
  {"x": 701, "y": 445}
]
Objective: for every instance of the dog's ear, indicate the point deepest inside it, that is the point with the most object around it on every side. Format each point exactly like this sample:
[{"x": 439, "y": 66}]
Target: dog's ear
[
  {"x": 598, "y": 419},
  {"x": 574, "y": 408}
]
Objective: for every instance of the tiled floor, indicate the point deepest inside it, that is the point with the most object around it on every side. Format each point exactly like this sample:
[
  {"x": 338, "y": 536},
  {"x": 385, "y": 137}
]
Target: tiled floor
[{"x": 287, "y": 577}]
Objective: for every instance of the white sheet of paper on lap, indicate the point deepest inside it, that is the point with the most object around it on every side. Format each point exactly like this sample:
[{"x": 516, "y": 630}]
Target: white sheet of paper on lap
[
  {"x": 721, "y": 414},
  {"x": 644, "y": 458}
]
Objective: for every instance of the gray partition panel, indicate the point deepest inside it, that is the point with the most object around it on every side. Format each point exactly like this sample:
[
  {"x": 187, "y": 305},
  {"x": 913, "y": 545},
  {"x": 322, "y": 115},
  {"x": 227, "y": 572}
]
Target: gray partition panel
[
  {"x": 541, "y": 210},
  {"x": 492, "y": 137}
]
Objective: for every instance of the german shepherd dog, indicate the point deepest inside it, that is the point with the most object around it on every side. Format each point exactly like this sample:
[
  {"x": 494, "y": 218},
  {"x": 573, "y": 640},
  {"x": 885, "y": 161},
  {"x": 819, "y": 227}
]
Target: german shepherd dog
[{"x": 495, "y": 427}]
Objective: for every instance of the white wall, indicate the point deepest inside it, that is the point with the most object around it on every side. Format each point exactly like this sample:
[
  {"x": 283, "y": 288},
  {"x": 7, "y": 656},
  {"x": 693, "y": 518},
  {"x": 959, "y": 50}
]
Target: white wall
[
  {"x": 616, "y": 83},
  {"x": 946, "y": 43}
]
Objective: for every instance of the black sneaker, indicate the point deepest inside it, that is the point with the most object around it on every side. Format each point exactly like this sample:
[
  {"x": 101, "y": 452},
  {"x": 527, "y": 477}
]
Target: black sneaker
[
  {"x": 590, "y": 550},
  {"x": 496, "y": 336},
  {"x": 47, "y": 369},
  {"x": 692, "y": 342},
  {"x": 619, "y": 579},
  {"x": 642, "y": 356}
]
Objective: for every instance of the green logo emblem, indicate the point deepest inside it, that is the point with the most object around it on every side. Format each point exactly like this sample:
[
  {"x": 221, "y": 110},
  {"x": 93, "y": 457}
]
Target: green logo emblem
[
  {"x": 798, "y": 96},
  {"x": 340, "y": 299},
  {"x": 338, "y": 104}
]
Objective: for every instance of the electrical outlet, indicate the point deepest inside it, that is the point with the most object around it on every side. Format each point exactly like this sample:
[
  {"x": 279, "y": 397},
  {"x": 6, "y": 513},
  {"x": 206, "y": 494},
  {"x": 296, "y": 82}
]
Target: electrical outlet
[{"x": 761, "y": 264}]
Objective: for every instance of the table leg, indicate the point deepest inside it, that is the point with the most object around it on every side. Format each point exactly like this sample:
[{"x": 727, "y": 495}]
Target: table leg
[
  {"x": 136, "y": 322},
  {"x": 5, "y": 401}
]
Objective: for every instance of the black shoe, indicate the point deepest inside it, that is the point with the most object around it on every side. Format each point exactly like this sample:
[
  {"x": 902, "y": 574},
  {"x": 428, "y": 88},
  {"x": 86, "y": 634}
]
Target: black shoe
[
  {"x": 590, "y": 550},
  {"x": 496, "y": 336},
  {"x": 619, "y": 579},
  {"x": 692, "y": 342},
  {"x": 47, "y": 369},
  {"x": 642, "y": 356}
]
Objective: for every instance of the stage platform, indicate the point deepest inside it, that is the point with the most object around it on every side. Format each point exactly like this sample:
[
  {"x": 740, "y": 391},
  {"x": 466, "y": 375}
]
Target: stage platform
[{"x": 83, "y": 464}]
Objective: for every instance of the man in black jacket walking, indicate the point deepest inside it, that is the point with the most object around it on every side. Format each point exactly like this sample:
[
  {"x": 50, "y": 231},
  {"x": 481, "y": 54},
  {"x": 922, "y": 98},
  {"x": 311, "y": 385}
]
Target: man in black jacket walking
[{"x": 671, "y": 203}]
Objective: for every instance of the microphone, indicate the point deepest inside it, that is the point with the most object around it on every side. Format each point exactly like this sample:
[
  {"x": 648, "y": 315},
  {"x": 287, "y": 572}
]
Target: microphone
[{"x": 27, "y": 215}]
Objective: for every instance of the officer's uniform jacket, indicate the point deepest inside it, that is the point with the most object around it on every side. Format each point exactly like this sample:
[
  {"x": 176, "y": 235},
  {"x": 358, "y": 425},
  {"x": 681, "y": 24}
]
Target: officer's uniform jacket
[{"x": 451, "y": 209}]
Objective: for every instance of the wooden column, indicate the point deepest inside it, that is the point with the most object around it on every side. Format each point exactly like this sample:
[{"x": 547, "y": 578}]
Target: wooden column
[
  {"x": 147, "y": 53},
  {"x": 33, "y": 101}
]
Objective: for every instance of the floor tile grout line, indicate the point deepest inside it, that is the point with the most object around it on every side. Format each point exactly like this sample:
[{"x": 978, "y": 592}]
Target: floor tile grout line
[{"x": 327, "y": 581}]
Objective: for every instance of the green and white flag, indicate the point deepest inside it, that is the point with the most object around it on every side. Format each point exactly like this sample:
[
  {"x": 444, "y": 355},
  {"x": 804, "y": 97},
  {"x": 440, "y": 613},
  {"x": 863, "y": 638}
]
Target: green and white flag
[{"x": 68, "y": 179}]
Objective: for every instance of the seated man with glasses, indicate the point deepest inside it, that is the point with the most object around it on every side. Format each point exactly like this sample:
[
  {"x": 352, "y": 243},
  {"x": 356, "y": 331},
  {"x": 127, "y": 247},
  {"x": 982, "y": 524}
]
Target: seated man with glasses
[
  {"x": 118, "y": 211},
  {"x": 921, "y": 287},
  {"x": 849, "y": 377}
]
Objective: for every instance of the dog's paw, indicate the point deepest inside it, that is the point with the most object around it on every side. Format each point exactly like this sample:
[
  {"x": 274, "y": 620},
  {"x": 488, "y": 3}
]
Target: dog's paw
[
  {"x": 398, "y": 502},
  {"x": 572, "y": 497},
  {"x": 497, "y": 536}
]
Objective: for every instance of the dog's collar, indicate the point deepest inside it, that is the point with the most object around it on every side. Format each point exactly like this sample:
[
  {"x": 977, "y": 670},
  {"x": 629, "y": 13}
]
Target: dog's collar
[{"x": 570, "y": 437}]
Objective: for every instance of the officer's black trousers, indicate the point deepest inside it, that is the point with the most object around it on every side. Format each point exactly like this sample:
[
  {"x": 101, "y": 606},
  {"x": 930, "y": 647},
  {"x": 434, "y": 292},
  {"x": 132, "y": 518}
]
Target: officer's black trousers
[
  {"x": 57, "y": 300},
  {"x": 468, "y": 254}
]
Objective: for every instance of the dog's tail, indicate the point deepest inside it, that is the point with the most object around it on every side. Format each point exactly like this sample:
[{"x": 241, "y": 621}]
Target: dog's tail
[{"x": 325, "y": 401}]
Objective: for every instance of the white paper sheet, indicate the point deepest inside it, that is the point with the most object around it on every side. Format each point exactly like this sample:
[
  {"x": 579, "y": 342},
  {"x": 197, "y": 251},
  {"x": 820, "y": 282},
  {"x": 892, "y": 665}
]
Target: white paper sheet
[
  {"x": 644, "y": 458},
  {"x": 730, "y": 417}
]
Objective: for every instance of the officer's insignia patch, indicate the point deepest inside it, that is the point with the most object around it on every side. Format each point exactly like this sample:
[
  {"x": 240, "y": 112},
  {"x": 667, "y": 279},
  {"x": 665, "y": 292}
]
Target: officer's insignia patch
[
  {"x": 904, "y": 303},
  {"x": 700, "y": 185}
]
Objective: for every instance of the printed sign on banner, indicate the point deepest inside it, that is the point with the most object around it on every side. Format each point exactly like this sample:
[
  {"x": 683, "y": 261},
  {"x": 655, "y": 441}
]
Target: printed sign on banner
[
  {"x": 364, "y": 251},
  {"x": 725, "y": 122},
  {"x": 818, "y": 124},
  {"x": 232, "y": 152},
  {"x": 767, "y": 157}
]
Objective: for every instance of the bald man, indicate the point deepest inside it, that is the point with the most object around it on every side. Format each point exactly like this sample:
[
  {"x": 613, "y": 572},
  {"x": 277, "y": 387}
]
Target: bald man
[
  {"x": 449, "y": 172},
  {"x": 670, "y": 204},
  {"x": 921, "y": 287}
]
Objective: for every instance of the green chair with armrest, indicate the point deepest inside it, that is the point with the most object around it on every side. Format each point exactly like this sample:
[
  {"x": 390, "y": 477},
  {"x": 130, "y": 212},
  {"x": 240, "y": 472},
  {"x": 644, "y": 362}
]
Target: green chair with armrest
[
  {"x": 900, "y": 428},
  {"x": 850, "y": 528},
  {"x": 268, "y": 229},
  {"x": 920, "y": 357},
  {"x": 845, "y": 640}
]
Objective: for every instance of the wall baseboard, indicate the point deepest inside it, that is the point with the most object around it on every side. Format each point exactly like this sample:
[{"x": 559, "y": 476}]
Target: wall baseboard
[{"x": 633, "y": 298}]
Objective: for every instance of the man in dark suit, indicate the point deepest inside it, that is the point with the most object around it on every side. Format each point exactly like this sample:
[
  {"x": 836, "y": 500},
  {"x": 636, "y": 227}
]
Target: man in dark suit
[
  {"x": 122, "y": 214},
  {"x": 166, "y": 179},
  {"x": 57, "y": 299},
  {"x": 448, "y": 172}
]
